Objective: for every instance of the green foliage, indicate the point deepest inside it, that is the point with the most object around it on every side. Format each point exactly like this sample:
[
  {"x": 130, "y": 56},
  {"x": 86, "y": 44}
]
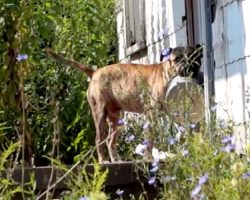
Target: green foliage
[
  {"x": 196, "y": 166},
  {"x": 81, "y": 183},
  {"x": 91, "y": 186},
  {"x": 8, "y": 188},
  {"x": 84, "y": 30},
  {"x": 197, "y": 163}
]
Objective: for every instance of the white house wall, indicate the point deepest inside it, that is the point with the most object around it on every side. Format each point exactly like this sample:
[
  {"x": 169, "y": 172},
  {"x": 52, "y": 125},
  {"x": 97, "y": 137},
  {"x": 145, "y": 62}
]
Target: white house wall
[
  {"x": 164, "y": 28},
  {"x": 231, "y": 42},
  {"x": 121, "y": 31}
]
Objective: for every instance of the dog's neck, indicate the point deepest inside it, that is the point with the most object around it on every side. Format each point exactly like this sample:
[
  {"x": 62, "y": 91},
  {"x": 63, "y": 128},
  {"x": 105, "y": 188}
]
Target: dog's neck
[{"x": 169, "y": 70}]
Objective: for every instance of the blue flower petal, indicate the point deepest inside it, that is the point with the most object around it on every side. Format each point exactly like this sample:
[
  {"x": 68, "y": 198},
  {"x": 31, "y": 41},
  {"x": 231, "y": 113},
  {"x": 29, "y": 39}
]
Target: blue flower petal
[
  {"x": 146, "y": 125},
  {"x": 246, "y": 175},
  {"x": 130, "y": 138},
  {"x": 151, "y": 180},
  {"x": 226, "y": 139},
  {"x": 154, "y": 169},
  {"x": 120, "y": 121},
  {"x": 84, "y": 198},
  {"x": 228, "y": 148},
  {"x": 192, "y": 126},
  {"x": 119, "y": 192},
  {"x": 22, "y": 57},
  {"x": 171, "y": 141}
]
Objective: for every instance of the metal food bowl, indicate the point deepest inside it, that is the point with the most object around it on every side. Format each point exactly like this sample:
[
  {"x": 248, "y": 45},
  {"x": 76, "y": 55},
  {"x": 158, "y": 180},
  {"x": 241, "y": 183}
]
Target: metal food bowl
[{"x": 185, "y": 100}]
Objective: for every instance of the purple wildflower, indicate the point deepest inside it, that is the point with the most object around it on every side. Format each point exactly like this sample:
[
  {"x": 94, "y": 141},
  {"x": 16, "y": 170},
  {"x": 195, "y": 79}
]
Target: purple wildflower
[
  {"x": 154, "y": 169},
  {"x": 185, "y": 152},
  {"x": 171, "y": 141},
  {"x": 246, "y": 175},
  {"x": 151, "y": 180},
  {"x": 120, "y": 122},
  {"x": 166, "y": 51},
  {"x": 21, "y": 57},
  {"x": 203, "y": 179},
  {"x": 228, "y": 148},
  {"x": 196, "y": 190},
  {"x": 146, "y": 125},
  {"x": 180, "y": 129},
  {"x": 192, "y": 126},
  {"x": 165, "y": 54},
  {"x": 227, "y": 139},
  {"x": 84, "y": 198},
  {"x": 146, "y": 142},
  {"x": 119, "y": 192},
  {"x": 130, "y": 138}
]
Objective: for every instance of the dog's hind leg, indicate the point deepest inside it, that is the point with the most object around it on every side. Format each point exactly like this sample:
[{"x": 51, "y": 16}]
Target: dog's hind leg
[
  {"x": 113, "y": 136},
  {"x": 99, "y": 116}
]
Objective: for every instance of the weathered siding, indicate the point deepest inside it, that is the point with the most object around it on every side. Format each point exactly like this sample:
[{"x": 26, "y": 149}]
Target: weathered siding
[
  {"x": 163, "y": 28},
  {"x": 231, "y": 45},
  {"x": 231, "y": 35},
  {"x": 121, "y": 31}
]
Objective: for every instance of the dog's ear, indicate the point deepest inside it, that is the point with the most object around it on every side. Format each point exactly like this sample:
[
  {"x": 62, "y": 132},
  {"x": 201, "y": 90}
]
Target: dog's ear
[{"x": 199, "y": 50}]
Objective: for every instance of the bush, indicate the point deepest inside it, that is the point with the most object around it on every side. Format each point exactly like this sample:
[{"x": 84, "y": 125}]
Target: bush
[
  {"x": 31, "y": 83},
  {"x": 192, "y": 162}
]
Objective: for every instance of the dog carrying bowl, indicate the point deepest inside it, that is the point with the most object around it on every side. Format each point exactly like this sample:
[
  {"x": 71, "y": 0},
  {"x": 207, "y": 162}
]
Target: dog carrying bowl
[{"x": 185, "y": 100}]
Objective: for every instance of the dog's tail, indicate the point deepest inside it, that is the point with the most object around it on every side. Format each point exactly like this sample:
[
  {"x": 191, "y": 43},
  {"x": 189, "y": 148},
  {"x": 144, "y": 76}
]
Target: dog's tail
[{"x": 71, "y": 63}]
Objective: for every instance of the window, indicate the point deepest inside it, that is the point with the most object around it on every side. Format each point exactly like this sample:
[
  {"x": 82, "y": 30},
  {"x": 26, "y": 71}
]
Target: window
[
  {"x": 193, "y": 14},
  {"x": 135, "y": 25}
]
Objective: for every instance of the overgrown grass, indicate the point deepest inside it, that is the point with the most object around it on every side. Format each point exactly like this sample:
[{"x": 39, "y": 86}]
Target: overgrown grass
[{"x": 188, "y": 164}]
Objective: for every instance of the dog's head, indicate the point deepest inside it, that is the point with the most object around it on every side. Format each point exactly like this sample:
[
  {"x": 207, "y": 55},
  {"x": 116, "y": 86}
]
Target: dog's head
[{"x": 186, "y": 59}]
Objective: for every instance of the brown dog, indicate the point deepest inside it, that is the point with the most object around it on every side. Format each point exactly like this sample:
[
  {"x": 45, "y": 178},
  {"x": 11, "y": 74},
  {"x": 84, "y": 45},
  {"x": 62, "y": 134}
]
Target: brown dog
[{"x": 119, "y": 87}]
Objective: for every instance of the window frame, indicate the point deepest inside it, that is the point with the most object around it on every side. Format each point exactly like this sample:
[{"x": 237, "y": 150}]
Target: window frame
[{"x": 135, "y": 26}]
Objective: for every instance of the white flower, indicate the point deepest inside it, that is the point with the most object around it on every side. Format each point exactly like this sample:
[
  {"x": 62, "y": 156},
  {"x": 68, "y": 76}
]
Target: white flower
[
  {"x": 158, "y": 155},
  {"x": 140, "y": 149}
]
